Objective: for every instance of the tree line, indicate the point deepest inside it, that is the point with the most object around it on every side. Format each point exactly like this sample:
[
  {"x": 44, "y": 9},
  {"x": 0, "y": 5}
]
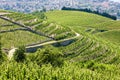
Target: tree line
[{"x": 104, "y": 14}]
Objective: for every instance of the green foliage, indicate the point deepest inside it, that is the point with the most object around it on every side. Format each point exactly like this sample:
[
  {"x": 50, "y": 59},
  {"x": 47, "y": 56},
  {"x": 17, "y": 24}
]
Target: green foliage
[
  {"x": 69, "y": 71},
  {"x": 3, "y": 57},
  {"x": 56, "y": 31},
  {"x": 75, "y": 18},
  {"x": 0, "y": 46},
  {"x": 48, "y": 55},
  {"x": 84, "y": 59},
  {"x": 27, "y": 19},
  {"x": 112, "y": 36},
  {"x": 19, "y": 38},
  {"x": 84, "y": 21},
  {"x": 19, "y": 55},
  {"x": 92, "y": 65}
]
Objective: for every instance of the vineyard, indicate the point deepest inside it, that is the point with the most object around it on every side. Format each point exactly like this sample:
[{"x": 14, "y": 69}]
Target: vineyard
[
  {"x": 87, "y": 22},
  {"x": 93, "y": 54}
]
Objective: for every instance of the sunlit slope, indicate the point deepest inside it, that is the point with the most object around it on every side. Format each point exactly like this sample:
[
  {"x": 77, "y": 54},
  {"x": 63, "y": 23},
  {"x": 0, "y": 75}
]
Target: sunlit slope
[
  {"x": 50, "y": 29},
  {"x": 33, "y": 30},
  {"x": 19, "y": 38},
  {"x": 88, "y": 48},
  {"x": 112, "y": 36},
  {"x": 4, "y": 25},
  {"x": 87, "y": 22},
  {"x": 108, "y": 25},
  {"x": 93, "y": 45},
  {"x": 26, "y": 19},
  {"x": 90, "y": 56},
  {"x": 75, "y": 18},
  {"x": 83, "y": 19},
  {"x": 13, "y": 35}
]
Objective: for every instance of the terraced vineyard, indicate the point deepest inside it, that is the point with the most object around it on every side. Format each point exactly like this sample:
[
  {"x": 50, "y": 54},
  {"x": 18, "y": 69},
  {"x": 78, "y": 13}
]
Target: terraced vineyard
[
  {"x": 54, "y": 30},
  {"x": 87, "y": 23},
  {"x": 27, "y": 19},
  {"x": 44, "y": 27},
  {"x": 14, "y": 35},
  {"x": 92, "y": 54},
  {"x": 15, "y": 39},
  {"x": 4, "y": 25},
  {"x": 101, "y": 47},
  {"x": 85, "y": 49}
]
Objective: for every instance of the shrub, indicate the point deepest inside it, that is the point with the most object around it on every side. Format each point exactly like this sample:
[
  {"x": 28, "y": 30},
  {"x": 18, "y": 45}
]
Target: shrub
[
  {"x": 48, "y": 55},
  {"x": 19, "y": 55}
]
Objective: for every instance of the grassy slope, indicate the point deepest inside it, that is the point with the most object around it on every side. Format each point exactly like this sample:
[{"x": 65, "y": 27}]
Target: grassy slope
[
  {"x": 75, "y": 18},
  {"x": 113, "y": 36},
  {"x": 81, "y": 20},
  {"x": 17, "y": 38},
  {"x": 14, "y": 38},
  {"x": 109, "y": 25},
  {"x": 46, "y": 27},
  {"x": 4, "y": 25}
]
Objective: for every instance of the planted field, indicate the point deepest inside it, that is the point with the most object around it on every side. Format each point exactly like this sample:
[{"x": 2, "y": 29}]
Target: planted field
[
  {"x": 86, "y": 22},
  {"x": 85, "y": 49},
  {"x": 4, "y": 25},
  {"x": 108, "y": 25},
  {"x": 8, "y": 27},
  {"x": 82, "y": 19},
  {"x": 102, "y": 47},
  {"x": 27, "y": 19},
  {"x": 112, "y": 36},
  {"x": 75, "y": 18},
  {"x": 41, "y": 26},
  {"x": 18, "y": 38},
  {"x": 67, "y": 72},
  {"x": 13, "y": 35},
  {"x": 56, "y": 31}
]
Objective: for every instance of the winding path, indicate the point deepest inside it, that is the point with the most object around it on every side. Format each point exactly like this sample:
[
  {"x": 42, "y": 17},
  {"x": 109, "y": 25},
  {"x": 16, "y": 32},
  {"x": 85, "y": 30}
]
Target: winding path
[
  {"x": 12, "y": 51},
  {"x": 3, "y": 13}
]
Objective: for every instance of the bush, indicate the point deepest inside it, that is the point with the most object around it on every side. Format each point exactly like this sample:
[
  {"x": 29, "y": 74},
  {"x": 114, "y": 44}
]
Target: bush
[
  {"x": 48, "y": 55},
  {"x": 19, "y": 55}
]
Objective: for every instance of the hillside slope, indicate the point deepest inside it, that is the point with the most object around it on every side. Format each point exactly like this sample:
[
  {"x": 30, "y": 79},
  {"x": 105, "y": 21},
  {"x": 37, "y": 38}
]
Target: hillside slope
[
  {"x": 87, "y": 22},
  {"x": 92, "y": 54}
]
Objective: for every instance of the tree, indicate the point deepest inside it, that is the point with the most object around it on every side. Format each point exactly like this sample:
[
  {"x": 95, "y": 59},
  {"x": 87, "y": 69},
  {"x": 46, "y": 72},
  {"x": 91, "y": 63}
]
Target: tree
[
  {"x": 19, "y": 55},
  {"x": 48, "y": 55}
]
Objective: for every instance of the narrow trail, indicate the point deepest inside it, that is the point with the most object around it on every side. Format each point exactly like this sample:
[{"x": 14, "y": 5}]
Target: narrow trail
[
  {"x": 12, "y": 51},
  {"x": 4, "y": 13}
]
